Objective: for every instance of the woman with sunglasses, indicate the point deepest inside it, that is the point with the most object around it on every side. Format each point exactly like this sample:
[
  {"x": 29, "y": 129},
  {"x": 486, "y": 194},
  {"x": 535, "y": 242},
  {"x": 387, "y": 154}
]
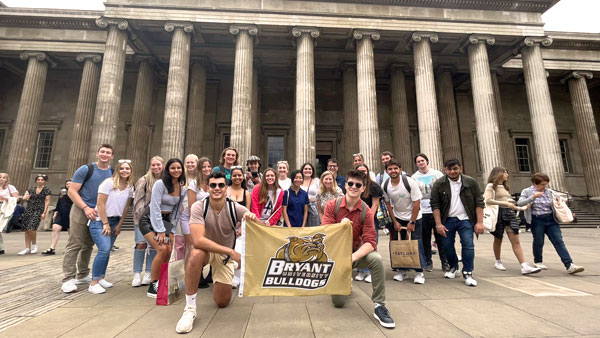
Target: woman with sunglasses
[
  {"x": 141, "y": 200},
  {"x": 295, "y": 203},
  {"x": 310, "y": 184},
  {"x": 38, "y": 200},
  {"x": 267, "y": 198},
  {"x": 157, "y": 225},
  {"x": 60, "y": 218},
  {"x": 282, "y": 171},
  {"x": 328, "y": 190},
  {"x": 114, "y": 197}
]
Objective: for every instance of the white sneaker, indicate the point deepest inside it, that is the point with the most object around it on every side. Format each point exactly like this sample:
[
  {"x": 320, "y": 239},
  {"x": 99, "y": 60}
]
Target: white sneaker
[
  {"x": 69, "y": 286},
  {"x": 186, "y": 322},
  {"x": 499, "y": 266},
  {"x": 235, "y": 283},
  {"x": 527, "y": 269},
  {"x": 541, "y": 266},
  {"x": 33, "y": 249},
  {"x": 147, "y": 279},
  {"x": 24, "y": 252},
  {"x": 96, "y": 289},
  {"x": 419, "y": 278},
  {"x": 85, "y": 280},
  {"x": 361, "y": 276},
  {"x": 469, "y": 280},
  {"x": 137, "y": 280},
  {"x": 451, "y": 274},
  {"x": 368, "y": 279},
  {"x": 575, "y": 269},
  {"x": 105, "y": 284},
  {"x": 400, "y": 276},
  {"x": 386, "y": 231}
]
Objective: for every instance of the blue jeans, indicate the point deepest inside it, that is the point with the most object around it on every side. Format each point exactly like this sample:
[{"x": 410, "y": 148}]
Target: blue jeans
[
  {"x": 104, "y": 244},
  {"x": 465, "y": 232},
  {"x": 140, "y": 254},
  {"x": 545, "y": 224}
]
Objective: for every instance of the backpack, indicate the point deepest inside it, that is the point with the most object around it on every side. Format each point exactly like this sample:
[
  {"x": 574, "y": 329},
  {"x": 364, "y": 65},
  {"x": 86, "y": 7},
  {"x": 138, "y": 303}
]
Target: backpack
[
  {"x": 230, "y": 205},
  {"x": 404, "y": 180},
  {"x": 363, "y": 212},
  {"x": 90, "y": 172}
]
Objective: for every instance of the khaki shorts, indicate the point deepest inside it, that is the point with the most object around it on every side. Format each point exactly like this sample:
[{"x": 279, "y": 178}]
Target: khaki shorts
[{"x": 221, "y": 273}]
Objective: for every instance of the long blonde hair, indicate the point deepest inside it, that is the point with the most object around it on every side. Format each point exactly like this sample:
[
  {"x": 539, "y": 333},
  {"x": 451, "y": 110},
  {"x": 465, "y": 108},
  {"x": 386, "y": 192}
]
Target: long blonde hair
[
  {"x": 149, "y": 176},
  {"x": 185, "y": 169},
  {"x": 322, "y": 188},
  {"x": 7, "y": 178},
  {"x": 117, "y": 177}
]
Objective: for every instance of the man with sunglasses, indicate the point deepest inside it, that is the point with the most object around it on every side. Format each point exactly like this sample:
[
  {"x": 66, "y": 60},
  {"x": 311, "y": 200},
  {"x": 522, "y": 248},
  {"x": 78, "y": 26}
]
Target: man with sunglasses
[
  {"x": 213, "y": 239},
  {"x": 333, "y": 167},
  {"x": 364, "y": 245}
]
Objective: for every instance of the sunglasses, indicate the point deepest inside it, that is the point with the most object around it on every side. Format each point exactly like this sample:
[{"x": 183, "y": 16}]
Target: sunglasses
[
  {"x": 214, "y": 185},
  {"x": 357, "y": 154},
  {"x": 124, "y": 161},
  {"x": 237, "y": 167},
  {"x": 351, "y": 184}
]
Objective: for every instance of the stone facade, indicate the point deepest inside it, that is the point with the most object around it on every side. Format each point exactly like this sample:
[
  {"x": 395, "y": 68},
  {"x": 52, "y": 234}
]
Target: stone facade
[{"x": 292, "y": 69}]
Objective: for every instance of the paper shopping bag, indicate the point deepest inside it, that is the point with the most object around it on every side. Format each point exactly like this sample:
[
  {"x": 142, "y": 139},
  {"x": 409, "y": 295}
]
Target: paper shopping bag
[
  {"x": 405, "y": 253},
  {"x": 171, "y": 282}
]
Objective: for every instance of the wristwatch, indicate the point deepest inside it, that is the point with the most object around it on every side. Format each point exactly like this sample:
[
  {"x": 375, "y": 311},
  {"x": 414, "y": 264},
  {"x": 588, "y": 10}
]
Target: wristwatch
[{"x": 411, "y": 222}]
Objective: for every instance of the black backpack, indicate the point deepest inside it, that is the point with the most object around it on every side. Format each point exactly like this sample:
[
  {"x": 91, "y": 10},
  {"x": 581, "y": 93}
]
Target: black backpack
[
  {"x": 404, "y": 180},
  {"x": 90, "y": 172}
]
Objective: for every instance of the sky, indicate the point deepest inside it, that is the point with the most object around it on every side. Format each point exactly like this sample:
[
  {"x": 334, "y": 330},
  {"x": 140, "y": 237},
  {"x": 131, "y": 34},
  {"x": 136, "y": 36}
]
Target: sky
[{"x": 567, "y": 15}]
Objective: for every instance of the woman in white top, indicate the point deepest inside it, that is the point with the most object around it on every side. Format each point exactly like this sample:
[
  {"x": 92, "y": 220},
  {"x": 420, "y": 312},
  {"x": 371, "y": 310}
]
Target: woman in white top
[
  {"x": 114, "y": 197},
  {"x": 282, "y": 171},
  {"x": 199, "y": 191},
  {"x": 191, "y": 172},
  {"x": 6, "y": 191},
  {"x": 311, "y": 186}
]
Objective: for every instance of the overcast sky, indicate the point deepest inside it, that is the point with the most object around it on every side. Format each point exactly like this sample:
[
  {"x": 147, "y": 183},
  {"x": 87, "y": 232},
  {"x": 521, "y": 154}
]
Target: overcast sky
[{"x": 567, "y": 15}]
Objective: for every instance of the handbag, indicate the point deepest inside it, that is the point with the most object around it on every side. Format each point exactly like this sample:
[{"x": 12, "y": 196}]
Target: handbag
[
  {"x": 561, "y": 211},
  {"x": 405, "y": 253},
  {"x": 490, "y": 215},
  {"x": 171, "y": 282}
]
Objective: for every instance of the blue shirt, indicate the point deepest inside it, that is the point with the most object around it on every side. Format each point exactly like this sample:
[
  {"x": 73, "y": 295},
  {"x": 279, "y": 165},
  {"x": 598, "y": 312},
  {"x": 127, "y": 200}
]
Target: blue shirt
[
  {"x": 543, "y": 204},
  {"x": 295, "y": 206},
  {"x": 225, "y": 171},
  {"x": 341, "y": 182},
  {"x": 89, "y": 191}
]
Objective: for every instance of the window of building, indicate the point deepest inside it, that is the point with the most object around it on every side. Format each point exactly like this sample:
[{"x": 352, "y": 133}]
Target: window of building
[
  {"x": 2, "y": 134},
  {"x": 564, "y": 154},
  {"x": 226, "y": 141},
  {"x": 275, "y": 150},
  {"x": 523, "y": 150},
  {"x": 43, "y": 152}
]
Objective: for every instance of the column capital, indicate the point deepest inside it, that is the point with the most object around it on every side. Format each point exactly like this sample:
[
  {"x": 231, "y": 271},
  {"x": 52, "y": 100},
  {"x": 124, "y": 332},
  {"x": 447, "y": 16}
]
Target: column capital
[
  {"x": 186, "y": 26},
  {"x": 92, "y": 57},
  {"x": 40, "y": 56},
  {"x": 104, "y": 22},
  {"x": 482, "y": 38},
  {"x": 576, "y": 75},
  {"x": 348, "y": 64},
  {"x": 144, "y": 58},
  {"x": 359, "y": 34},
  {"x": 537, "y": 40},
  {"x": 236, "y": 28},
  {"x": 418, "y": 36},
  {"x": 445, "y": 68},
  {"x": 399, "y": 67},
  {"x": 313, "y": 31}
]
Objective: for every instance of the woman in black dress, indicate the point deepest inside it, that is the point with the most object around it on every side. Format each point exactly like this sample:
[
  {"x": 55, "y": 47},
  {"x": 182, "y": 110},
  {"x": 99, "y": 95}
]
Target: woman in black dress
[
  {"x": 60, "y": 219},
  {"x": 38, "y": 199}
]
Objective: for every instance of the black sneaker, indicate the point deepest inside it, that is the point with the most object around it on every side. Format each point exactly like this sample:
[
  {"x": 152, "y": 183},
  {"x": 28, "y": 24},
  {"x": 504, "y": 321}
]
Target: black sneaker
[
  {"x": 383, "y": 316},
  {"x": 1, "y": 252},
  {"x": 152, "y": 289},
  {"x": 429, "y": 267},
  {"x": 203, "y": 284},
  {"x": 445, "y": 267},
  {"x": 49, "y": 252}
]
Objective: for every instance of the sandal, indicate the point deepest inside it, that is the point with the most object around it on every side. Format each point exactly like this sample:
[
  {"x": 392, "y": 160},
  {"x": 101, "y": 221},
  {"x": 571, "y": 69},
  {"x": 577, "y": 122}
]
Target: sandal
[{"x": 49, "y": 251}]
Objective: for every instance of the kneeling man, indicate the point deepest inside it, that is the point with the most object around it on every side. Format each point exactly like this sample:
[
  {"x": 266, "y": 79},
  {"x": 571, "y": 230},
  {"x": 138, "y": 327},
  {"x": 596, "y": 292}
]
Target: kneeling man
[
  {"x": 213, "y": 233},
  {"x": 364, "y": 243}
]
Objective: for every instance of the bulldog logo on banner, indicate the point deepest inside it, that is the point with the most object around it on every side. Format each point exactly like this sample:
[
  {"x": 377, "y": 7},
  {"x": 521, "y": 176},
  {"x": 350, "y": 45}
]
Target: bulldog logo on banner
[{"x": 296, "y": 261}]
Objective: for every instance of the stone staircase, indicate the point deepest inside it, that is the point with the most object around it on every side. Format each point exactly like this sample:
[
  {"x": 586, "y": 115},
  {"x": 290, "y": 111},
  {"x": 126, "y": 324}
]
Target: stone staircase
[
  {"x": 128, "y": 222},
  {"x": 584, "y": 219}
]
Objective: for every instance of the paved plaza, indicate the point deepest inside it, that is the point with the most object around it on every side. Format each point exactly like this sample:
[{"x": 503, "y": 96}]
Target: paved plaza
[{"x": 549, "y": 304}]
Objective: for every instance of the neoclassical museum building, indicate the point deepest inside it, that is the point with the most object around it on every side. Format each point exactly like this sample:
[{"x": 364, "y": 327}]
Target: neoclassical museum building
[{"x": 304, "y": 81}]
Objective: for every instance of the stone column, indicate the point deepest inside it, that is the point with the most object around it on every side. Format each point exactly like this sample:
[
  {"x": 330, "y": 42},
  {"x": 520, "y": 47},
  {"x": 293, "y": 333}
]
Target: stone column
[
  {"x": 137, "y": 148},
  {"x": 350, "y": 113},
  {"x": 486, "y": 116},
  {"x": 505, "y": 140},
  {"x": 241, "y": 126},
  {"x": 23, "y": 145},
  {"x": 255, "y": 116},
  {"x": 194, "y": 134},
  {"x": 305, "y": 94},
  {"x": 429, "y": 124},
  {"x": 545, "y": 136},
  {"x": 84, "y": 114},
  {"x": 173, "y": 138},
  {"x": 108, "y": 101},
  {"x": 400, "y": 125},
  {"x": 368, "y": 129},
  {"x": 450, "y": 132},
  {"x": 587, "y": 135}
]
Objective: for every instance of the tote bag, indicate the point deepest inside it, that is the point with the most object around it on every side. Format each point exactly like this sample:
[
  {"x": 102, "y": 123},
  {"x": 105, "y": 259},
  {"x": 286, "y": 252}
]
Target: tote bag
[
  {"x": 405, "y": 253},
  {"x": 561, "y": 211},
  {"x": 171, "y": 283}
]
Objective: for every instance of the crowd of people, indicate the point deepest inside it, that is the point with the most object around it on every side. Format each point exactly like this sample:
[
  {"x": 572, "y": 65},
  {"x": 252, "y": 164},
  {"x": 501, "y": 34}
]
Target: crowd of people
[{"x": 206, "y": 201}]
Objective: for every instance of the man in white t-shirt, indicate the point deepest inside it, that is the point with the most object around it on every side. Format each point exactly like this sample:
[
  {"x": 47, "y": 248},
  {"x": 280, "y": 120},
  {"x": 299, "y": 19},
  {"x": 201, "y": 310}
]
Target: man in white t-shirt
[
  {"x": 403, "y": 200},
  {"x": 426, "y": 176}
]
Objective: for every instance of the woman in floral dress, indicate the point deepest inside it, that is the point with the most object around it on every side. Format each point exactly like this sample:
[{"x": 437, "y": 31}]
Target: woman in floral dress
[{"x": 37, "y": 199}]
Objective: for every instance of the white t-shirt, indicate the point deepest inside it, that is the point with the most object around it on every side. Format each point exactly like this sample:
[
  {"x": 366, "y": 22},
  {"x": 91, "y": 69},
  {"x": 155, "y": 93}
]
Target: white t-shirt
[
  {"x": 457, "y": 209},
  {"x": 425, "y": 182},
  {"x": 10, "y": 189},
  {"x": 313, "y": 189},
  {"x": 117, "y": 199},
  {"x": 285, "y": 184},
  {"x": 200, "y": 193},
  {"x": 401, "y": 199}
]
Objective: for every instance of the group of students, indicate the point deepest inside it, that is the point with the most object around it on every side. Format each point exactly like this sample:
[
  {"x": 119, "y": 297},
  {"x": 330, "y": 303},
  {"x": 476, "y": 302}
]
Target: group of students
[{"x": 206, "y": 204}]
